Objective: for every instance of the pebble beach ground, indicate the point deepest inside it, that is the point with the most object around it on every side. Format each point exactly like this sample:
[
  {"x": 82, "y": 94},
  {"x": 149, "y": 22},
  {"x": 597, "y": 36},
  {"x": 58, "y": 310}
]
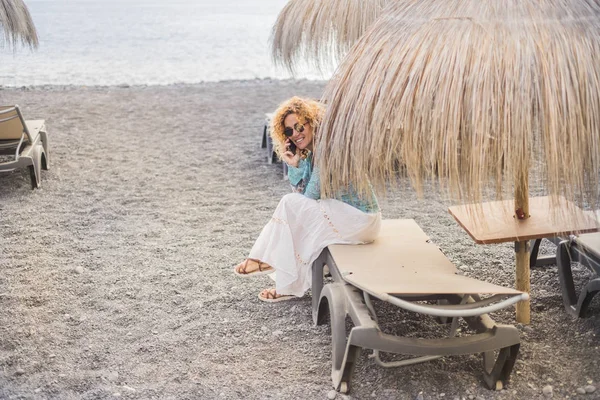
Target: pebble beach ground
[{"x": 116, "y": 275}]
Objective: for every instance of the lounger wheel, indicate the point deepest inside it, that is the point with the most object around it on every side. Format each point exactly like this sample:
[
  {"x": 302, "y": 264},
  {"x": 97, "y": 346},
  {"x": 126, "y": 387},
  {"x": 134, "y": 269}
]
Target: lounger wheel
[{"x": 499, "y": 385}]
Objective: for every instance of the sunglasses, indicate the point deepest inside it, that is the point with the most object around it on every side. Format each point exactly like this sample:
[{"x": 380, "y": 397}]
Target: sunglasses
[{"x": 298, "y": 127}]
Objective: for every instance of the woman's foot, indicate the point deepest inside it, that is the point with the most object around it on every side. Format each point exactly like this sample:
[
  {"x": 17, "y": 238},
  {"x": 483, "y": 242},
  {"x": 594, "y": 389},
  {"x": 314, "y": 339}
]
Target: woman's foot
[
  {"x": 271, "y": 296},
  {"x": 250, "y": 267}
]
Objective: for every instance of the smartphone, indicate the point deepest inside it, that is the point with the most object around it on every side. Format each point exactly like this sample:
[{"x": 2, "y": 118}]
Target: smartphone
[{"x": 292, "y": 147}]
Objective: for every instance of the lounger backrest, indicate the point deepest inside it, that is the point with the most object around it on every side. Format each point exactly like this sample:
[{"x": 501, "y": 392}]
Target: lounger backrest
[{"x": 12, "y": 125}]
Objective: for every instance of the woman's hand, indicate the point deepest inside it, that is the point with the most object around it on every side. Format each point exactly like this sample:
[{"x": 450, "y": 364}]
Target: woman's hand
[{"x": 291, "y": 159}]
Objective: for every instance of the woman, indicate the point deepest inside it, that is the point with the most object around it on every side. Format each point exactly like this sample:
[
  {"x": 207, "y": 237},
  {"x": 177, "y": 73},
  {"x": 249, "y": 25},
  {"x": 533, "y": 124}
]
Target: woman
[{"x": 304, "y": 224}]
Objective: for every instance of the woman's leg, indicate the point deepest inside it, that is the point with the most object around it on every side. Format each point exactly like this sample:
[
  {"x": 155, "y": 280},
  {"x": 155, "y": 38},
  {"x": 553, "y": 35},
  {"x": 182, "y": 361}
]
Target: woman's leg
[
  {"x": 300, "y": 229},
  {"x": 282, "y": 240},
  {"x": 250, "y": 267}
]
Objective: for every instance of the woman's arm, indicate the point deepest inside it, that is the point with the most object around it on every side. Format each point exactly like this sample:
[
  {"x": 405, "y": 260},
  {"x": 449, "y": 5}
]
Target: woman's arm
[
  {"x": 299, "y": 176},
  {"x": 305, "y": 180},
  {"x": 313, "y": 187},
  {"x": 295, "y": 174}
]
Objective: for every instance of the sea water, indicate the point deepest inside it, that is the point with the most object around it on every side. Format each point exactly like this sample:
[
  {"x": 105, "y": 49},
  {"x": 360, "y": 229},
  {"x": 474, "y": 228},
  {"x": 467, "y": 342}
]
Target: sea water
[{"x": 147, "y": 42}]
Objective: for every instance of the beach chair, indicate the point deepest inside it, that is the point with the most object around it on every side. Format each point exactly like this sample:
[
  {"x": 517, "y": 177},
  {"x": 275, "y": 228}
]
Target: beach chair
[
  {"x": 22, "y": 143},
  {"x": 267, "y": 143},
  {"x": 584, "y": 249},
  {"x": 404, "y": 268}
]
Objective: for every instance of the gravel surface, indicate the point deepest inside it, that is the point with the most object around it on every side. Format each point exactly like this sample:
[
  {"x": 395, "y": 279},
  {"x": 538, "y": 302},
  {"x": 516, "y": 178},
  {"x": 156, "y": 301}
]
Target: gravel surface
[{"x": 116, "y": 280}]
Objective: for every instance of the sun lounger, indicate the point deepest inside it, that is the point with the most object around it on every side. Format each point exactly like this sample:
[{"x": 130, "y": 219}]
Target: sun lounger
[
  {"x": 402, "y": 267},
  {"x": 267, "y": 143},
  {"x": 583, "y": 249},
  {"x": 22, "y": 143}
]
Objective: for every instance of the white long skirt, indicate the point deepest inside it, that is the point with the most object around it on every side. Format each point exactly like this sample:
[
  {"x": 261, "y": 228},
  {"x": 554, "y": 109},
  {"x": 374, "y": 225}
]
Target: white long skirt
[{"x": 300, "y": 229}]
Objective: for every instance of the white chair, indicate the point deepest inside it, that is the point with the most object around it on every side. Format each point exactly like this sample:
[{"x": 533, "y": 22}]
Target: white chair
[
  {"x": 23, "y": 144},
  {"x": 404, "y": 268}
]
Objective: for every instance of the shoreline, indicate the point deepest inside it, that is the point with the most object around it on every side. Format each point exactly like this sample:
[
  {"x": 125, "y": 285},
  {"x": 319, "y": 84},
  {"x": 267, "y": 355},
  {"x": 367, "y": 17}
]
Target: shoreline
[{"x": 228, "y": 82}]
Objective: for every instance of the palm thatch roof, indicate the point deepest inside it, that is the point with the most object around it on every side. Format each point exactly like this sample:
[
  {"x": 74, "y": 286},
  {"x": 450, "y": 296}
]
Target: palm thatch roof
[
  {"x": 16, "y": 24},
  {"x": 320, "y": 32},
  {"x": 471, "y": 93}
]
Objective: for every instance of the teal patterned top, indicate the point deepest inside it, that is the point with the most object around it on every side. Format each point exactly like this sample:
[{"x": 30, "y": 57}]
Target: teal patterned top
[{"x": 305, "y": 180}]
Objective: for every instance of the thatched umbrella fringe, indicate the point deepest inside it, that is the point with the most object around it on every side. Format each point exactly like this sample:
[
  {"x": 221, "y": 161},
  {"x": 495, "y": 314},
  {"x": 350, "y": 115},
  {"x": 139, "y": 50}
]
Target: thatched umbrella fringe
[
  {"x": 319, "y": 33},
  {"x": 16, "y": 24},
  {"x": 469, "y": 102}
]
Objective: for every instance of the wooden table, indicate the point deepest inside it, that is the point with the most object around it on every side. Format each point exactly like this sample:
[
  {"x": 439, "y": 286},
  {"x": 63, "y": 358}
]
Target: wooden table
[{"x": 496, "y": 222}]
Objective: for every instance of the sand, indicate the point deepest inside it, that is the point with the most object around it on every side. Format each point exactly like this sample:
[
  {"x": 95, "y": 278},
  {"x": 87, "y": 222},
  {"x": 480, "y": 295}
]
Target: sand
[{"x": 116, "y": 280}]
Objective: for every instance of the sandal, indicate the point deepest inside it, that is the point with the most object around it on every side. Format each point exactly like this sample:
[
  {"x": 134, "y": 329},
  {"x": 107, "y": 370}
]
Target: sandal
[
  {"x": 241, "y": 268},
  {"x": 271, "y": 296}
]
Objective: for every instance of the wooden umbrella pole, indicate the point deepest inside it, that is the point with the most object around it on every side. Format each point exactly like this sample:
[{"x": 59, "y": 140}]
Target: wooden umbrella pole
[{"x": 522, "y": 250}]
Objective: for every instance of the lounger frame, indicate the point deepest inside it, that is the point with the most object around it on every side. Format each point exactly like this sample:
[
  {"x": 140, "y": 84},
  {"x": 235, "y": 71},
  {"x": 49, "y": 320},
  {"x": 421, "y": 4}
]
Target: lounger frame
[
  {"x": 267, "y": 143},
  {"x": 29, "y": 148},
  {"x": 571, "y": 249},
  {"x": 499, "y": 344}
]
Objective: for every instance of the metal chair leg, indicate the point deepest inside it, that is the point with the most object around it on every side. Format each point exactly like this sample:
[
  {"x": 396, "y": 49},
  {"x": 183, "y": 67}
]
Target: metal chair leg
[
  {"x": 565, "y": 277},
  {"x": 535, "y": 260},
  {"x": 533, "y": 255},
  {"x": 497, "y": 369},
  {"x": 263, "y": 143},
  {"x": 343, "y": 354},
  {"x": 317, "y": 286}
]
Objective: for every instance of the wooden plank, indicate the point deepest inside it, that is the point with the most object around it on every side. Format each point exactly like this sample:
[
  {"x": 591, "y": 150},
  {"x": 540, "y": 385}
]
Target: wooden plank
[{"x": 494, "y": 222}]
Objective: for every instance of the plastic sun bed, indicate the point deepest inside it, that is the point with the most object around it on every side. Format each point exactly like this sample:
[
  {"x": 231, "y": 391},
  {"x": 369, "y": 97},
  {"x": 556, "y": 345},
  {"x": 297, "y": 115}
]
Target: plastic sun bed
[
  {"x": 403, "y": 268},
  {"x": 22, "y": 143},
  {"x": 584, "y": 249},
  {"x": 267, "y": 143}
]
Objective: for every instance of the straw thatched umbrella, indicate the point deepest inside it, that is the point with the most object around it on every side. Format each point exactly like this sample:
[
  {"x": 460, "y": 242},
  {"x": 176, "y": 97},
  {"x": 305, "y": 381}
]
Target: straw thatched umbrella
[
  {"x": 320, "y": 32},
  {"x": 472, "y": 93},
  {"x": 16, "y": 24}
]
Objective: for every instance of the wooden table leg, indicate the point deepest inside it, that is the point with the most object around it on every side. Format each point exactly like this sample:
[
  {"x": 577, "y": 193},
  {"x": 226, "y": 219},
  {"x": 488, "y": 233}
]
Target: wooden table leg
[
  {"x": 522, "y": 280},
  {"x": 522, "y": 247}
]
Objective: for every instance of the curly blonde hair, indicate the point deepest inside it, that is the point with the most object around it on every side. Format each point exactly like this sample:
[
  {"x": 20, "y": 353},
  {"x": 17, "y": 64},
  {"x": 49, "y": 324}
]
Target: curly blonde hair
[{"x": 307, "y": 110}]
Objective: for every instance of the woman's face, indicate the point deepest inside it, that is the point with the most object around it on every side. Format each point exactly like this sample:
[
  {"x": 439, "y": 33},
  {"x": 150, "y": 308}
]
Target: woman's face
[{"x": 303, "y": 140}]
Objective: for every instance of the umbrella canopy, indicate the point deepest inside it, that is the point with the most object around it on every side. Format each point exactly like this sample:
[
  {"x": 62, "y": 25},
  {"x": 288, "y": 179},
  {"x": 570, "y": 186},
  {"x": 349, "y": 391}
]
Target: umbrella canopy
[
  {"x": 472, "y": 93},
  {"x": 320, "y": 32},
  {"x": 16, "y": 24}
]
